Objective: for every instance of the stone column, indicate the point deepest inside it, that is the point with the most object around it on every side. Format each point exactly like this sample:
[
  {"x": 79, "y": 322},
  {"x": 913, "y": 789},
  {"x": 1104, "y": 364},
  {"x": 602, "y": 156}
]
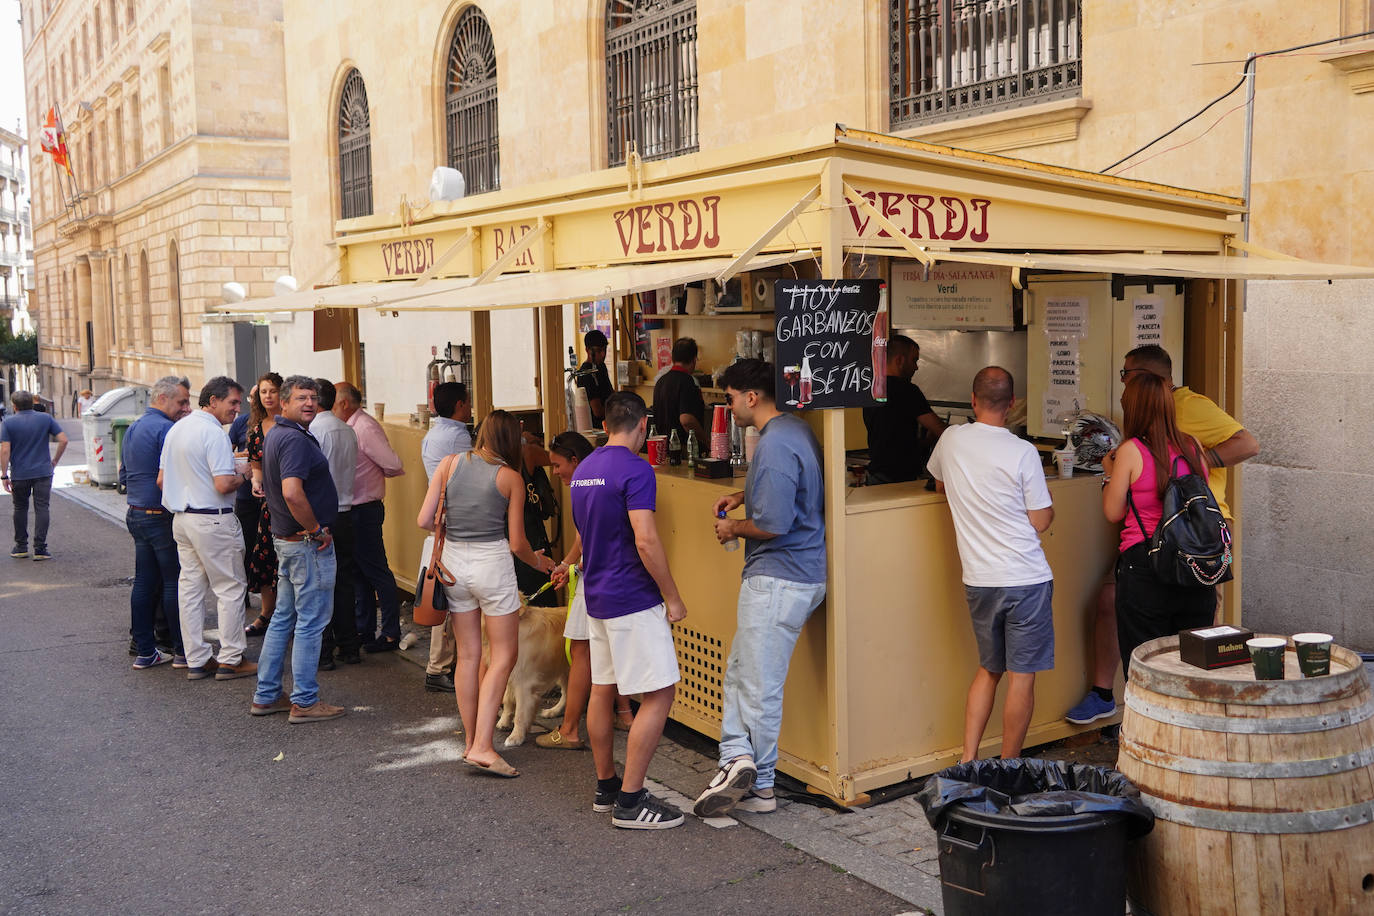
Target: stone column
[
  {"x": 100, "y": 311},
  {"x": 83, "y": 312}
]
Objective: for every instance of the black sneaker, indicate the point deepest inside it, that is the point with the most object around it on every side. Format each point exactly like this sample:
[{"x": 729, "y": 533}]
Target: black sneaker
[
  {"x": 605, "y": 799},
  {"x": 649, "y": 814},
  {"x": 726, "y": 788},
  {"x": 41, "y": 553},
  {"x": 20, "y": 552}
]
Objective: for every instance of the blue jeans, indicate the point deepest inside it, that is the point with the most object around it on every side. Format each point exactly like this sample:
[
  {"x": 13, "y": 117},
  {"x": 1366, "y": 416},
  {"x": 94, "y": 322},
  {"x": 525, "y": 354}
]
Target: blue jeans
[
  {"x": 41, "y": 489},
  {"x": 305, "y": 601},
  {"x": 156, "y": 569},
  {"x": 771, "y": 614},
  {"x": 373, "y": 583}
]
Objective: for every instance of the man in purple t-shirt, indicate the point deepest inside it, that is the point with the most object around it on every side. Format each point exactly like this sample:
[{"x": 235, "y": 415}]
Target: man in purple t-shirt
[{"x": 631, "y": 600}]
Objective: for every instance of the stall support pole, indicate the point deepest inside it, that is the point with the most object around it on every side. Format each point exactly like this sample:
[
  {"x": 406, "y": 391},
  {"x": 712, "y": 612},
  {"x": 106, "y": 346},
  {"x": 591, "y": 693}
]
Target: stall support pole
[
  {"x": 1231, "y": 326},
  {"x": 833, "y": 448},
  {"x": 552, "y": 393},
  {"x": 481, "y": 365}
]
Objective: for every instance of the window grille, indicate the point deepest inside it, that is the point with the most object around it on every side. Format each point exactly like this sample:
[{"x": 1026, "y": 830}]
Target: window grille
[
  {"x": 651, "y": 77},
  {"x": 355, "y": 149},
  {"x": 470, "y": 103},
  {"x": 952, "y": 58}
]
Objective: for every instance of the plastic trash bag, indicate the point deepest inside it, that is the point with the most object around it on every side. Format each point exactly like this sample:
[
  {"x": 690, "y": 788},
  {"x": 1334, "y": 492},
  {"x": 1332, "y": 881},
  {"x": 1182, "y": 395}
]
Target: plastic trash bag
[{"x": 1026, "y": 787}]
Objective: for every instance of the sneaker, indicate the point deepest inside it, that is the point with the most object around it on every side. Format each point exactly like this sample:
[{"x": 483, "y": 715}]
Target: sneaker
[
  {"x": 650, "y": 814},
  {"x": 244, "y": 668},
  {"x": 326, "y": 663},
  {"x": 1091, "y": 708},
  {"x": 280, "y": 704},
  {"x": 41, "y": 553},
  {"x": 439, "y": 683},
  {"x": 204, "y": 671},
  {"x": 758, "y": 801},
  {"x": 318, "y": 712},
  {"x": 20, "y": 552},
  {"x": 179, "y": 661},
  {"x": 726, "y": 788},
  {"x": 605, "y": 800},
  {"x": 148, "y": 661}
]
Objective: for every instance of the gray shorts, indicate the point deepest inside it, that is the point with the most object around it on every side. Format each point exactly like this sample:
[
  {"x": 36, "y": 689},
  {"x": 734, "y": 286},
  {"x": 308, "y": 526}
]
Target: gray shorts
[{"x": 1014, "y": 627}]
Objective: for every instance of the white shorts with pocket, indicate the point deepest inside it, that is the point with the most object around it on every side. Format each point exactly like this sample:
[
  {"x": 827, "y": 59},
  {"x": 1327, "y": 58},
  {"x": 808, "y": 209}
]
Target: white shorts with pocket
[
  {"x": 577, "y": 627},
  {"x": 484, "y": 576},
  {"x": 634, "y": 652}
]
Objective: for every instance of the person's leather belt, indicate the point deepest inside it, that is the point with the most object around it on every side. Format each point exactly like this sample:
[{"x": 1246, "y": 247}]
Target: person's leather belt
[
  {"x": 289, "y": 537},
  {"x": 148, "y": 511},
  {"x": 208, "y": 511}
]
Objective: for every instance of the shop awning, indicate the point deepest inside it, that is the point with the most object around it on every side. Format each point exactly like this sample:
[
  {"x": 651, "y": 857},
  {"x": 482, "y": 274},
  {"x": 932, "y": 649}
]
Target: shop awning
[
  {"x": 556, "y": 287},
  {"x": 1197, "y": 266},
  {"x": 348, "y": 295}
]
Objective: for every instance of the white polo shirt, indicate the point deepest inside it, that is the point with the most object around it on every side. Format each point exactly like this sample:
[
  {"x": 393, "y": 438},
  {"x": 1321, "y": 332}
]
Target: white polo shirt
[
  {"x": 340, "y": 445},
  {"x": 195, "y": 452}
]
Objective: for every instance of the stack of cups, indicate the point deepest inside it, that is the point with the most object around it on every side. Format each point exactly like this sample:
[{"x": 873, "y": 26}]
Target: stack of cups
[{"x": 720, "y": 434}]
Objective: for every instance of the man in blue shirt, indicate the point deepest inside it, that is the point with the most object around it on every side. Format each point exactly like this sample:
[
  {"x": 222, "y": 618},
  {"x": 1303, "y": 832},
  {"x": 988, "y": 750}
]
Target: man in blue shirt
[
  {"x": 302, "y": 502},
  {"x": 156, "y": 566},
  {"x": 784, "y": 581},
  {"x": 26, "y": 470}
]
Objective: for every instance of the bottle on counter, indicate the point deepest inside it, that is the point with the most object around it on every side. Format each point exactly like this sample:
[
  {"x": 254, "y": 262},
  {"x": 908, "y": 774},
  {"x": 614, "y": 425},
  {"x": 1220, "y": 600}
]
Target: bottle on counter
[
  {"x": 674, "y": 448},
  {"x": 804, "y": 395},
  {"x": 733, "y": 543},
  {"x": 693, "y": 449},
  {"x": 653, "y": 431},
  {"x": 879, "y": 350}
]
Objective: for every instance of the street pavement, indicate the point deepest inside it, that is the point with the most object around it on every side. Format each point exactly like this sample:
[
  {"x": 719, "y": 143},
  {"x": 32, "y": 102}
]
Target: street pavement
[{"x": 140, "y": 791}]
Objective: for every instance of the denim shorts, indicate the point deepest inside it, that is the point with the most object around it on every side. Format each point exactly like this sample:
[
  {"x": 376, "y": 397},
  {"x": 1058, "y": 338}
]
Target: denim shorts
[{"x": 1014, "y": 627}]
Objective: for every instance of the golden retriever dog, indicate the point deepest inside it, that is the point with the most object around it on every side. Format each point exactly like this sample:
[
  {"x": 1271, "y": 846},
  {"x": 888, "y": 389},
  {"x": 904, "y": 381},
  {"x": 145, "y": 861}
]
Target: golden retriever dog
[{"x": 541, "y": 664}]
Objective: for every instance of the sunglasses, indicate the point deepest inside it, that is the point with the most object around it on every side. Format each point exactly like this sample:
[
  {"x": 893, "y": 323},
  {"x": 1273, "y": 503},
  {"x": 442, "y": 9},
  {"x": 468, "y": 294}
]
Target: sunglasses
[
  {"x": 730, "y": 398},
  {"x": 1126, "y": 373}
]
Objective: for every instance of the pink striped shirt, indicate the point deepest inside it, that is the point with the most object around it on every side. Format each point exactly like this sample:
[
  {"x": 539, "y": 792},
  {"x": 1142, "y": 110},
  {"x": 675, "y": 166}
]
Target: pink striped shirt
[{"x": 377, "y": 460}]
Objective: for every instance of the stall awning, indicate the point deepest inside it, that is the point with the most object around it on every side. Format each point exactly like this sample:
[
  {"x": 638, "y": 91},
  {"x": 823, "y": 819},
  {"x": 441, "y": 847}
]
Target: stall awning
[
  {"x": 556, "y": 287},
  {"x": 1197, "y": 266},
  {"x": 348, "y": 295}
]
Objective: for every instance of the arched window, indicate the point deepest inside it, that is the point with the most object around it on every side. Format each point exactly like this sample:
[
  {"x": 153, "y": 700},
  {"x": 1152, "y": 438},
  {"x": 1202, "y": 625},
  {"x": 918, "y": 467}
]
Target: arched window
[
  {"x": 470, "y": 103},
  {"x": 651, "y": 77},
  {"x": 355, "y": 149},
  {"x": 128, "y": 300},
  {"x": 111, "y": 309},
  {"x": 174, "y": 317},
  {"x": 145, "y": 305}
]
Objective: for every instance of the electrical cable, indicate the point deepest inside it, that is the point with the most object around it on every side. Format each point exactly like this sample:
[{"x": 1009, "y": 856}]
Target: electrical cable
[{"x": 1246, "y": 74}]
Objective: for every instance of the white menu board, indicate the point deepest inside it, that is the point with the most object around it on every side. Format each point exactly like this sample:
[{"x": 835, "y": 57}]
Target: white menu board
[{"x": 951, "y": 296}]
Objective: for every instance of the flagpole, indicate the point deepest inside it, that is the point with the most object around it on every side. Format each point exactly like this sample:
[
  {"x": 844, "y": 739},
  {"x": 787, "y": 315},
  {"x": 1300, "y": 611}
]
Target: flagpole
[{"x": 76, "y": 206}]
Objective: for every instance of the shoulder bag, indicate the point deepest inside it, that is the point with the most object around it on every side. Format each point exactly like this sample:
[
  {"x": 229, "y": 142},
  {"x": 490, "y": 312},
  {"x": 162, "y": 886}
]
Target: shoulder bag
[{"x": 431, "y": 601}]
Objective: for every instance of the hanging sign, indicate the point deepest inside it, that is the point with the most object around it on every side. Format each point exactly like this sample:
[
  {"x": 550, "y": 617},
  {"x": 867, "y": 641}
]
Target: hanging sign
[
  {"x": 827, "y": 352},
  {"x": 949, "y": 296},
  {"x": 1147, "y": 325}
]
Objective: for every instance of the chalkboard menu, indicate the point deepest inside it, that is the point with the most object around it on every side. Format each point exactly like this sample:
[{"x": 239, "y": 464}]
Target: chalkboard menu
[{"x": 831, "y": 343}]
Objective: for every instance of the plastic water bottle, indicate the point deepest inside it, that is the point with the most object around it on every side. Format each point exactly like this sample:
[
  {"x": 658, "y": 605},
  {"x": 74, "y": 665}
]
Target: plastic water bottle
[{"x": 733, "y": 543}]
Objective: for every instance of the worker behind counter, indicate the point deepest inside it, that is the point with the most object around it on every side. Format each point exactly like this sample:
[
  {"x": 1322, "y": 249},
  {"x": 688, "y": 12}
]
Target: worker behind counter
[
  {"x": 678, "y": 404},
  {"x": 902, "y": 432},
  {"x": 592, "y": 375}
]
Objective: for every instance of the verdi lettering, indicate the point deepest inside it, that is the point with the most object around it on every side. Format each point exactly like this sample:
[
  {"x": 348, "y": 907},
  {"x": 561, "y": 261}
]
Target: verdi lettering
[
  {"x": 925, "y": 216},
  {"x": 408, "y": 257},
  {"x": 675, "y": 225}
]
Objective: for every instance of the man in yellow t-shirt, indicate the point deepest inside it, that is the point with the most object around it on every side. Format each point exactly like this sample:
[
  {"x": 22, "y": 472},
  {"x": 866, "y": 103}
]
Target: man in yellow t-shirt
[{"x": 1226, "y": 443}]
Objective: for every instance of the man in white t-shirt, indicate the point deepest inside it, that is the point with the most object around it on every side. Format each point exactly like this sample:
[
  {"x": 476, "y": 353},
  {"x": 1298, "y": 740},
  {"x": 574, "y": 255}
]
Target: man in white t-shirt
[{"x": 997, "y": 495}]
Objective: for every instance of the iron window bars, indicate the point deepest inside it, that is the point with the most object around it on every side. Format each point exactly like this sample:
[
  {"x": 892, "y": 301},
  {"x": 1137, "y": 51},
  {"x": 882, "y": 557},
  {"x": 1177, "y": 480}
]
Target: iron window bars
[
  {"x": 355, "y": 149},
  {"x": 651, "y": 78},
  {"x": 951, "y": 58},
  {"x": 470, "y": 103}
]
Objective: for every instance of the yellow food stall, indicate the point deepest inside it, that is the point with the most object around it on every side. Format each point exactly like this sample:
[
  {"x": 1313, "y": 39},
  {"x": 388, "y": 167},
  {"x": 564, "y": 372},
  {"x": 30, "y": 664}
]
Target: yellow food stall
[{"x": 877, "y": 685}]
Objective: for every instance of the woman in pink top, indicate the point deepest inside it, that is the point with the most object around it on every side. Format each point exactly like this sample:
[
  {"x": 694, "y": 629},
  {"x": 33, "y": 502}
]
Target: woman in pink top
[{"x": 1147, "y": 608}]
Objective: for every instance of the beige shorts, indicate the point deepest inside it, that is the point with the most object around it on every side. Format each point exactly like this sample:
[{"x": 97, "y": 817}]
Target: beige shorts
[
  {"x": 634, "y": 652},
  {"x": 484, "y": 577},
  {"x": 577, "y": 626}
]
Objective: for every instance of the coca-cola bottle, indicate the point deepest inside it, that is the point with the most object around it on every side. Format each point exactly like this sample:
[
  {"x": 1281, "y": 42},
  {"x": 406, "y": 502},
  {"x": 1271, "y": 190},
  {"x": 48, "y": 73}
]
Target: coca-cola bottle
[
  {"x": 804, "y": 395},
  {"x": 880, "y": 347}
]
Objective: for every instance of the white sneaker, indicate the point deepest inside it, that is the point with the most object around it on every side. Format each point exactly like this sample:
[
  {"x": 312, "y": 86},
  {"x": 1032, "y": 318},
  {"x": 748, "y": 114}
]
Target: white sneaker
[
  {"x": 726, "y": 788},
  {"x": 755, "y": 803},
  {"x": 151, "y": 661}
]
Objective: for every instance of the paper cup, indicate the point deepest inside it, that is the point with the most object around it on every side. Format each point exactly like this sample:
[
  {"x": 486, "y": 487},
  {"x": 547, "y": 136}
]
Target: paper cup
[
  {"x": 1267, "y": 654},
  {"x": 379, "y": 410},
  {"x": 1314, "y": 653},
  {"x": 1063, "y": 460}
]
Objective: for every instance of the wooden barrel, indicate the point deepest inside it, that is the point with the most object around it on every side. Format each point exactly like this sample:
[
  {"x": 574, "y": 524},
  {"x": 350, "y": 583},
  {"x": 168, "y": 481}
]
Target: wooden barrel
[{"x": 1263, "y": 790}]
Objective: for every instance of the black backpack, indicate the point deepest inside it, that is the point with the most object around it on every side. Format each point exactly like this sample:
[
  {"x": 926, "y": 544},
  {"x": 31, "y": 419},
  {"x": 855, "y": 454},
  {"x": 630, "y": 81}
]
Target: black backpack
[{"x": 1191, "y": 547}]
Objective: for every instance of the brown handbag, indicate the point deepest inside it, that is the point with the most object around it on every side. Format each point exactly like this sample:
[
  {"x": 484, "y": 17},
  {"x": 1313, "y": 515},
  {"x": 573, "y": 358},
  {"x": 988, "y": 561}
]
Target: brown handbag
[{"x": 431, "y": 601}]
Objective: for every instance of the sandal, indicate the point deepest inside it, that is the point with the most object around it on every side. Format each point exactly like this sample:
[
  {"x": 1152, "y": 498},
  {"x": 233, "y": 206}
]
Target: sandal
[
  {"x": 555, "y": 739},
  {"x": 624, "y": 718},
  {"x": 497, "y": 767},
  {"x": 258, "y": 626}
]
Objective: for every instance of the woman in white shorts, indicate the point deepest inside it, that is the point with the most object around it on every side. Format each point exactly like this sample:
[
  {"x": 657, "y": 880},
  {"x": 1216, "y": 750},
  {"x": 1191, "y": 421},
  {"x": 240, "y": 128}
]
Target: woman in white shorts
[
  {"x": 484, "y": 526},
  {"x": 566, "y": 452}
]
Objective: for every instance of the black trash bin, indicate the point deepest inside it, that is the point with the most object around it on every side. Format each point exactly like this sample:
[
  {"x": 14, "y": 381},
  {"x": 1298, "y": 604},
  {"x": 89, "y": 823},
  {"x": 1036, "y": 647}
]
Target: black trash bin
[{"x": 1033, "y": 837}]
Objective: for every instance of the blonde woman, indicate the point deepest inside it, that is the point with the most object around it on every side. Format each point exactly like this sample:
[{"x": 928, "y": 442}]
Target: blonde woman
[{"x": 484, "y": 526}]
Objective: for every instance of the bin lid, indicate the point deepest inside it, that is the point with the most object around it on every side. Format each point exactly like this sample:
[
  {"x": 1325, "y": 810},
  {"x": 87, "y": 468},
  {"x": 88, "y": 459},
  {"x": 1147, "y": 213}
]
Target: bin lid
[{"x": 113, "y": 400}]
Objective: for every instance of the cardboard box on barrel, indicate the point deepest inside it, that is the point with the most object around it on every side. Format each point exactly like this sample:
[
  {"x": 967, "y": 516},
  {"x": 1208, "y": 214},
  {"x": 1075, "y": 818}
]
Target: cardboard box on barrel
[{"x": 1214, "y": 647}]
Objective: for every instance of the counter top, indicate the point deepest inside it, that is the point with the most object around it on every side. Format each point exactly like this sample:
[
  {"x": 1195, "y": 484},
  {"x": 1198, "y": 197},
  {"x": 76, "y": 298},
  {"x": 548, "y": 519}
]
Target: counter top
[
  {"x": 914, "y": 493},
  {"x": 682, "y": 473}
]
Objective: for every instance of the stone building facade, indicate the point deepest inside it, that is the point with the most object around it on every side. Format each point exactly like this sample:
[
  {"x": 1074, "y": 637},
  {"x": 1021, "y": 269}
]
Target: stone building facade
[
  {"x": 1079, "y": 83},
  {"x": 16, "y": 235},
  {"x": 176, "y": 121}
]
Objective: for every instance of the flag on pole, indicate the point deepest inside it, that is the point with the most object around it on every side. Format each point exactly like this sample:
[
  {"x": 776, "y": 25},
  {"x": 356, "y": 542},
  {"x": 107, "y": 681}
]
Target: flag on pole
[{"x": 53, "y": 140}]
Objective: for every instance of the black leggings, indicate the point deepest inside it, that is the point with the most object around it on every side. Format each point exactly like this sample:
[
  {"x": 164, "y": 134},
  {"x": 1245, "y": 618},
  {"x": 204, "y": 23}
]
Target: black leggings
[{"x": 1147, "y": 608}]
